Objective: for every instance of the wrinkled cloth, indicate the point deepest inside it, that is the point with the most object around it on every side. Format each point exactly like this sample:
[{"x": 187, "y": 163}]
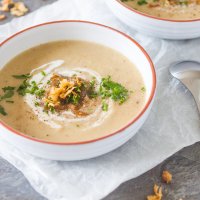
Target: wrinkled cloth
[{"x": 173, "y": 123}]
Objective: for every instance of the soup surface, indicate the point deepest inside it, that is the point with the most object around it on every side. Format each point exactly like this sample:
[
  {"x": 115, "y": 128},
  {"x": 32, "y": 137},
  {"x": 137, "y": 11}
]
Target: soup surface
[
  {"x": 70, "y": 91},
  {"x": 167, "y": 9}
]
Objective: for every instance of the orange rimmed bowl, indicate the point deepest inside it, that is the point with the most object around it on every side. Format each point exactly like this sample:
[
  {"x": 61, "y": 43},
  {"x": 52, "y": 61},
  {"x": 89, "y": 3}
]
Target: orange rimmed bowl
[{"x": 85, "y": 31}]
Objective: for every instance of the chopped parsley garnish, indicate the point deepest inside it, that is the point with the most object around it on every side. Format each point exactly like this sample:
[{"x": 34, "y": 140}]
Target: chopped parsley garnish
[
  {"x": 37, "y": 103},
  {"x": 8, "y": 93},
  {"x": 40, "y": 93},
  {"x": 52, "y": 109},
  {"x": 22, "y": 88},
  {"x": 142, "y": 2},
  {"x": 143, "y": 89},
  {"x": 183, "y": 3},
  {"x": 48, "y": 108},
  {"x": 48, "y": 82},
  {"x": 2, "y": 111},
  {"x": 93, "y": 82},
  {"x": 113, "y": 90},
  {"x": 9, "y": 101},
  {"x": 22, "y": 76},
  {"x": 43, "y": 73},
  {"x": 8, "y": 88},
  {"x": 92, "y": 92},
  {"x": 30, "y": 88},
  {"x": 104, "y": 106},
  {"x": 74, "y": 98},
  {"x": 34, "y": 89}
]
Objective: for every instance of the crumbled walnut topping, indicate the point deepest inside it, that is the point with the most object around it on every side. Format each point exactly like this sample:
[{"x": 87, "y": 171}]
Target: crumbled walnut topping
[
  {"x": 70, "y": 93},
  {"x": 157, "y": 193},
  {"x": 5, "y": 5},
  {"x": 15, "y": 8},
  {"x": 166, "y": 177},
  {"x": 19, "y": 9},
  {"x": 62, "y": 89},
  {"x": 2, "y": 17}
]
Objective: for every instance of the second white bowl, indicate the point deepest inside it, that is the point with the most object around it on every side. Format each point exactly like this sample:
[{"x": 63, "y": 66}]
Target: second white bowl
[{"x": 153, "y": 26}]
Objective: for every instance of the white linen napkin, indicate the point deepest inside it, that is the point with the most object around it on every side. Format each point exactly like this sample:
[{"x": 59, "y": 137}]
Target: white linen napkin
[{"x": 173, "y": 123}]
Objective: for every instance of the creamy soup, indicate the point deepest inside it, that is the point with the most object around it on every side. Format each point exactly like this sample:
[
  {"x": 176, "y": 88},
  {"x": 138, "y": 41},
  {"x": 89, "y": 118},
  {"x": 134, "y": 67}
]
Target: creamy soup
[
  {"x": 168, "y": 9},
  {"x": 70, "y": 91}
]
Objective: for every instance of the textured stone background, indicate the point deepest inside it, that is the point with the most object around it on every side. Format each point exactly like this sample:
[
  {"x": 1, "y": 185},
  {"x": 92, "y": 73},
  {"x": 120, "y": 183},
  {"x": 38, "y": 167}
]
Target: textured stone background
[{"x": 185, "y": 167}]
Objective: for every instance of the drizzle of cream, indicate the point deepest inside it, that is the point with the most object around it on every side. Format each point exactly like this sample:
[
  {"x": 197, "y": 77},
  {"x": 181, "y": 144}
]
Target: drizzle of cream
[{"x": 60, "y": 120}]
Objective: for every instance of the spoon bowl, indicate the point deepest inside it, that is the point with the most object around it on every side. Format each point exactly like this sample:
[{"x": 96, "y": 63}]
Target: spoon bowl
[{"x": 188, "y": 72}]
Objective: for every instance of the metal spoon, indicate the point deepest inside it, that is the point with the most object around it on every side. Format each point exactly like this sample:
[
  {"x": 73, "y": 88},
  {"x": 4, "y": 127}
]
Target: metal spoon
[{"x": 188, "y": 72}]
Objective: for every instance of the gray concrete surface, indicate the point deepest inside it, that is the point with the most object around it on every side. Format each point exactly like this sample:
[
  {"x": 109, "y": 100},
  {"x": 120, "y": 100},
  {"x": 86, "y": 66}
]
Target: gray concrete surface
[
  {"x": 32, "y": 5},
  {"x": 185, "y": 167}
]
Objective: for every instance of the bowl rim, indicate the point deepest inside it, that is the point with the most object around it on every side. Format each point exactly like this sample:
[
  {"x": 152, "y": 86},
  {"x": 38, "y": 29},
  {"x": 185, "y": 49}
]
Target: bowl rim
[
  {"x": 154, "y": 17},
  {"x": 146, "y": 106}
]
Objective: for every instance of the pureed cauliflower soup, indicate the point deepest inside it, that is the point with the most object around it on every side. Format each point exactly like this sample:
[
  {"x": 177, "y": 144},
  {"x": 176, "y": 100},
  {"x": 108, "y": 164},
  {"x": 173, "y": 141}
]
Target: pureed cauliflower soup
[
  {"x": 167, "y": 9},
  {"x": 70, "y": 91}
]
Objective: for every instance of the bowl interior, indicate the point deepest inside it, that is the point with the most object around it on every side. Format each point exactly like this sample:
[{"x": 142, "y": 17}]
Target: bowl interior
[
  {"x": 148, "y": 16},
  {"x": 85, "y": 31}
]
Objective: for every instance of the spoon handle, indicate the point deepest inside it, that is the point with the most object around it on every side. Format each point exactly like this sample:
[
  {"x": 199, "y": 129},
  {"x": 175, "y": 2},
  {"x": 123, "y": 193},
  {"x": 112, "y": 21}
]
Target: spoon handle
[
  {"x": 197, "y": 99},
  {"x": 194, "y": 86}
]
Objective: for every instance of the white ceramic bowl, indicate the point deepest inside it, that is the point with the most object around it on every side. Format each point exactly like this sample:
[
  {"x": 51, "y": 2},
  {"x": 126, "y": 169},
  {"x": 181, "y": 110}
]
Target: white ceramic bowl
[
  {"x": 153, "y": 26},
  {"x": 86, "y": 31}
]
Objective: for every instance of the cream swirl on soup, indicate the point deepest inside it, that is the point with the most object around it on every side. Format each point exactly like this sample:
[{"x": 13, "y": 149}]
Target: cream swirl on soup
[{"x": 90, "y": 113}]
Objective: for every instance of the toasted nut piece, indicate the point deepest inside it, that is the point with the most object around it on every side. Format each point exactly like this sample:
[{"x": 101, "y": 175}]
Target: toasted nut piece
[
  {"x": 157, "y": 193},
  {"x": 6, "y": 4},
  {"x": 2, "y": 17},
  {"x": 4, "y": 8},
  {"x": 166, "y": 177},
  {"x": 19, "y": 9}
]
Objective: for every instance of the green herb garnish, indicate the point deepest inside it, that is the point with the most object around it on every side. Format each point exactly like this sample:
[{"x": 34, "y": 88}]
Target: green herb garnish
[
  {"x": 52, "y": 109},
  {"x": 92, "y": 93},
  {"x": 37, "y": 103},
  {"x": 143, "y": 89},
  {"x": 22, "y": 76},
  {"x": 113, "y": 90},
  {"x": 48, "y": 82},
  {"x": 104, "y": 106},
  {"x": 142, "y": 2},
  {"x": 8, "y": 93},
  {"x": 8, "y": 88},
  {"x": 9, "y": 101},
  {"x": 22, "y": 89},
  {"x": 75, "y": 99},
  {"x": 2, "y": 111},
  {"x": 43, "y": 73},
  {"x": 30, "y": 88},
  {"x": 39, "y": 93},
  {"x": 183, "y": 3}
]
